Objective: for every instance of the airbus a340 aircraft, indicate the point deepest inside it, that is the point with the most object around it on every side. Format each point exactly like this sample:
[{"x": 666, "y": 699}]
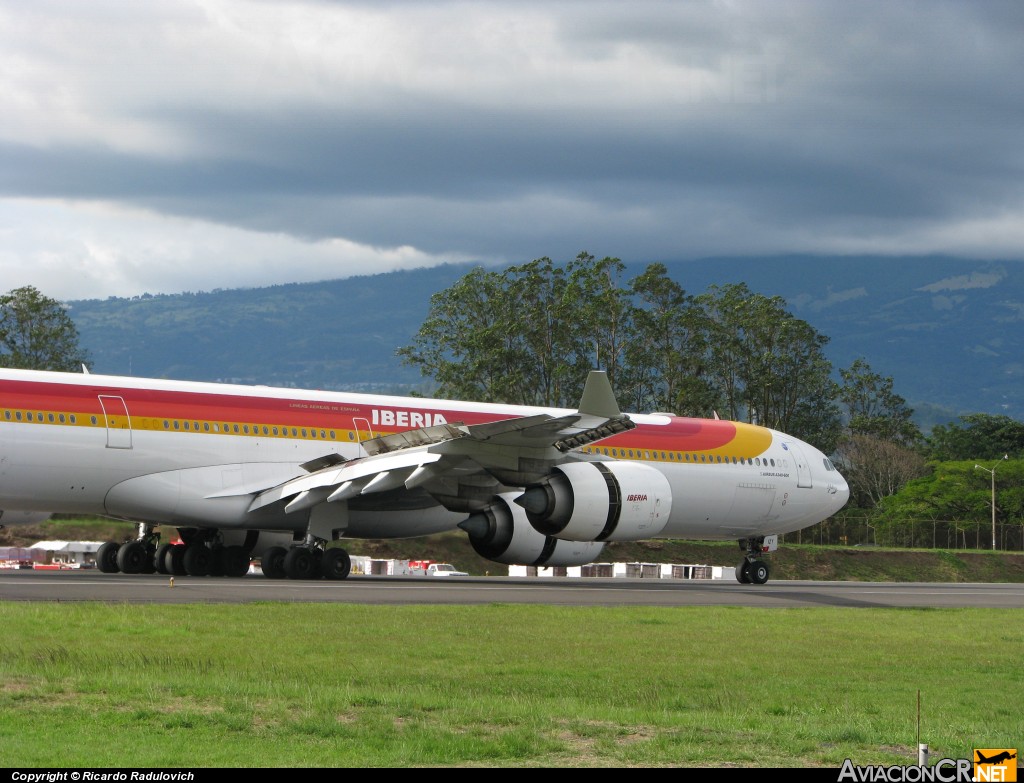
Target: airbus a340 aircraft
[{"x": 246, "y": 472}]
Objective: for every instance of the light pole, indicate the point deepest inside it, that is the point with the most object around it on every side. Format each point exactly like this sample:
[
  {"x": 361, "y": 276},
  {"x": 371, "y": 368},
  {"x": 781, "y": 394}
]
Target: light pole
[{"x": 993, "y": 474}]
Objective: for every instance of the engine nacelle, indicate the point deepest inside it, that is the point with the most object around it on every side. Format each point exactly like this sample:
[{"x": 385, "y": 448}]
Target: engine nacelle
[
  {"x": 502, "y": 533},
  {"x": 599, "y": 501}
]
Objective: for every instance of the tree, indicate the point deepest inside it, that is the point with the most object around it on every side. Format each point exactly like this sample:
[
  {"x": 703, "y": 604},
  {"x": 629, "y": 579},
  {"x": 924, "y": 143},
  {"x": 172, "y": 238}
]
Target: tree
[
  {"x": 667, "y": 356},
  {"x": 604, "y": 312},
  {"x": 956, "y": 499},
  {"x": 557, "y": 353},
  {"x": 466, "y": 345},
  {"x": 873, "y": 408},
  {"x": 530, "y": 334},
  {"x": 768, "y": 366},
  {"x": 977, "y": 436},
  {"x": 36, "y": 333},
  {"x": 515, "y": 336},
  {"x": 877, "y": 451},
  {"x": 876, "y": 467}
]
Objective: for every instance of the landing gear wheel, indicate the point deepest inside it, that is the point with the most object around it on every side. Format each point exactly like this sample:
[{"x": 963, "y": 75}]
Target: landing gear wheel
[
  {"x": 106, "y": 557},
  {"x": 198, "y": 560},
  {"x": 758, "y": 572},
  {"x": 174, "y": 560},
  {"x": 336, "y": 564},
  {"x": 149, "y": 563},
  {"x": 300, "y": 563},
  {"x": 272, "y": 562},
  {"x": 743, "y": 572},
  {"x": 216, "y": 562},
  {"x": 160, "y": 558},
  {"x": 234, "y": 561}
]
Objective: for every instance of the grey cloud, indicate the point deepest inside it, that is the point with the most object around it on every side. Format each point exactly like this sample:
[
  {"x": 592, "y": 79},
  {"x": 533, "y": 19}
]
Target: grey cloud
[{"x": 786, "y": 127}]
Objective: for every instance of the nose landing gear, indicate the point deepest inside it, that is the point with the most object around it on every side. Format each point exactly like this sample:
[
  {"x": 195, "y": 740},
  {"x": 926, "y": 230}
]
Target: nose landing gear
[{"x": 752, "y": 568}]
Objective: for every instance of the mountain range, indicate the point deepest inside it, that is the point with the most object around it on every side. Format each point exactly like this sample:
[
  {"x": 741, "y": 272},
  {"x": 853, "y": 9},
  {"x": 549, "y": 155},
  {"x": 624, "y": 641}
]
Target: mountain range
[{"x": 947, "y": 331}]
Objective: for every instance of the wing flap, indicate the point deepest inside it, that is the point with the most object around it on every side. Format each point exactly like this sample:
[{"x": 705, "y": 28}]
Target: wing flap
[{"x": 359, "y": 476}]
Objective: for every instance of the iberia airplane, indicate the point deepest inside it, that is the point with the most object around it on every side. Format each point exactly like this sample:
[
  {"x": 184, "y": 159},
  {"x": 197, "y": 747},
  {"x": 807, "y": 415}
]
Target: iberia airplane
[{"x": 280, "y": 474}]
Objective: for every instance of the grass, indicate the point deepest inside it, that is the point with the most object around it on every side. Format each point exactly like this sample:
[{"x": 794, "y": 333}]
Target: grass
[{"x": 336, "y": 685}]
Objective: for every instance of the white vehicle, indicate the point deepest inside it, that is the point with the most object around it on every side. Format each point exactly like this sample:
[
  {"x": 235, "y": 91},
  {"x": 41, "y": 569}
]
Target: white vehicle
[
  {"x": 444, "y": 569},
  {"x": 248, "y": 472}
]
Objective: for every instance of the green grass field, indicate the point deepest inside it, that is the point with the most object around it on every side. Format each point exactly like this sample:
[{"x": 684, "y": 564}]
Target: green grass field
[{"x": 335, "y": 685}]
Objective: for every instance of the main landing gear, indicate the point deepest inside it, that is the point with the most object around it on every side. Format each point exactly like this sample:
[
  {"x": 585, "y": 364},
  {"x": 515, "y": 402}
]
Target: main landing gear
[
  {"x": 201, "y": 553},
  {"x": 752, "y": 568},
  {"x": 309, "y": 560}
]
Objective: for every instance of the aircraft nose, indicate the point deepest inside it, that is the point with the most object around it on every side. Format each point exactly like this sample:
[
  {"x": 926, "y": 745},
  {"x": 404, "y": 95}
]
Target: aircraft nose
[{"x": 839, "y": 489}]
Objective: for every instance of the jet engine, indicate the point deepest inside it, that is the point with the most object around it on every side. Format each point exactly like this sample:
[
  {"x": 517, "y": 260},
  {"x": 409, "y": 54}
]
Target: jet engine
[
  {"x": 502, "y": 533},
  {"x": 599, "y": 501}
]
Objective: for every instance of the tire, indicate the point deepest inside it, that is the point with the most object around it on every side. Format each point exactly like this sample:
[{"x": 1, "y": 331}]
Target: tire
[
  {"x": 131, "y": 557},
  {"x": 149, "y": 563},
  {"x": 759, "y": 572},
  {"x": 336, "y": 564},
  {"x": 234, "y": 561},
  {"x": 300, "y": 563},
  {"x": 160, "y": 558},
  {"x": 743, "y": 572},
  {"x": 174, "y": 560},
  {"x": 198, "y": 559},
  {"x": 272, "y": 562},
  {"x": 106, "y": 557},
  {"x": 216, "y": 562}
]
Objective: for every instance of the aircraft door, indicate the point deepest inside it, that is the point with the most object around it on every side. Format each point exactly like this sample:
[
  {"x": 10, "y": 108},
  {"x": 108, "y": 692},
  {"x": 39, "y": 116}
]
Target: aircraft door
[
  {"x": 363, "y": 432},
  {"x": 803, "y": 470},
  {"x": 117, "y": 421}
]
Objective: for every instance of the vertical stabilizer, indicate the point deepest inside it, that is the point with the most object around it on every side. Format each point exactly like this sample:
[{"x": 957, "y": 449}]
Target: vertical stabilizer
[{"x": 598, "y": 398}]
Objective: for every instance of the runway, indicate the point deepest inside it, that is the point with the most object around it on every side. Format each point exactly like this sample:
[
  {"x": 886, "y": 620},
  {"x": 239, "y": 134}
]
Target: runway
[{"x": 64, "y": 586}]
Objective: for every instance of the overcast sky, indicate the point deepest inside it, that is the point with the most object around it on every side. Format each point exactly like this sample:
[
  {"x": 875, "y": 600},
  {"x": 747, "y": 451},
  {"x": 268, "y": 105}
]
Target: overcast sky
[{"x": 176, "y": 145}]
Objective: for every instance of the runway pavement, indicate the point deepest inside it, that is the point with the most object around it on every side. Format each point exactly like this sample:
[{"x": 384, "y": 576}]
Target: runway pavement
[{"x": 28, "y": 585}]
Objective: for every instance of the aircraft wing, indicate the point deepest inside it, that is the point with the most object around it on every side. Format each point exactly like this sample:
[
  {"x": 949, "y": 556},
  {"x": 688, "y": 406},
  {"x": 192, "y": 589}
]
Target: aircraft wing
[{"x": 455, "y": 463}]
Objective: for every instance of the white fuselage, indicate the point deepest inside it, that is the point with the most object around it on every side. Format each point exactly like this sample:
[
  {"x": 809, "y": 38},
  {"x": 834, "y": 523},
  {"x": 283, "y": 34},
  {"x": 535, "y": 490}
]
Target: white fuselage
[{"x": 195, "y": 454}]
